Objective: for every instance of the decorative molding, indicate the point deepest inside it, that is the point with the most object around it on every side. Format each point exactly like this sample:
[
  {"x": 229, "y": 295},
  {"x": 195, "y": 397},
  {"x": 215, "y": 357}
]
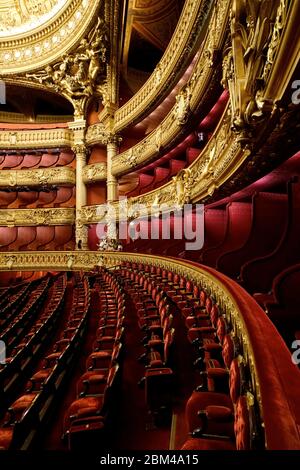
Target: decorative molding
[
  {"x": 182, "y": 47},
  {"x": 36, "y": 139},
  {"x": 217, "y": 162},
  {"x": 19, "y": 118},
  {"x": 94, "y": 172},
  {"x": 78, "y": 75},
  {"x": 256, "y": 32},
  {"x": 49, "y": 41},
  {"x": 191, "y": 100},
  {"x": 33, "y": 178},
  {"x": 81, "y": 235},
  {"x": 36, "y": 217},
  {"x": 96, "y": 135},
  {"x": 91, "y": 214},
  {"x": 283, "y": 55}
]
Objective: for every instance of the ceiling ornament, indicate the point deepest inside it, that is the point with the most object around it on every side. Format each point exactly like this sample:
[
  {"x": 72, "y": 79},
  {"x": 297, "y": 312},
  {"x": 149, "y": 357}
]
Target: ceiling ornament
[
  {"x": 21, "y": 16},
  {"x": 80, "y": 74},
  {"x": 41, "y": 31}
]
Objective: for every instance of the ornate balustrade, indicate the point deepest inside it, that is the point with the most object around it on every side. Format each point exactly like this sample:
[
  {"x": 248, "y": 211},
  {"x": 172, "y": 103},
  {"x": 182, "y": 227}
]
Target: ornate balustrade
[
  {"x": 95, "y": 172},
  {"x": 35, "y": 139}
]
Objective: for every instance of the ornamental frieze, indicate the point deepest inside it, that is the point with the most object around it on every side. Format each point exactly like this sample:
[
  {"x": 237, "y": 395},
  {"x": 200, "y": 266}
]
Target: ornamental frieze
[
  {"x": 35, "y": 217},
  {"x": 94, "y": 172},
  {"x": 96, "y": 134},
  {"x": 33, "y": 178}
]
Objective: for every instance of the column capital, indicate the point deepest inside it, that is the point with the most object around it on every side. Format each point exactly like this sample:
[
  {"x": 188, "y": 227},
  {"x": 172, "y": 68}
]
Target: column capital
[
  {"x": 114, "y": 139},
  {"x": 80, "y": 149}
]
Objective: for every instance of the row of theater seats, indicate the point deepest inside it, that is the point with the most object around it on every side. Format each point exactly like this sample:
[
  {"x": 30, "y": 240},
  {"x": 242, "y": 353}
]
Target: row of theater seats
[
  {"x": 42, "y": 362},
  {"x": 155, "y": 320},
  {"x": 159, "y": 173},
  {"x": 96, "y": 389},
  {"x": 11, "y": 305},
  {"x": 19, "y": 313},
  {"x": 46, "y": 160},
  {"x": 40, "y": 238},
  {"x": 221, "y": 412},
  {"x": 52, "y": 197},
  {"x": 254, "y": 242}
]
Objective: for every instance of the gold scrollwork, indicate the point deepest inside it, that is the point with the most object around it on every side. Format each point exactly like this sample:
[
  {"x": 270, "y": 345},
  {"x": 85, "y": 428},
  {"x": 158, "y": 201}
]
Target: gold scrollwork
[
  {"x": 175, "y": 58},
  {"x": 30, "y": 178},
  {"x": 94, "y": 172},
  {"x": 34, "y": 217},
  {"x": 80, "y": 74}
]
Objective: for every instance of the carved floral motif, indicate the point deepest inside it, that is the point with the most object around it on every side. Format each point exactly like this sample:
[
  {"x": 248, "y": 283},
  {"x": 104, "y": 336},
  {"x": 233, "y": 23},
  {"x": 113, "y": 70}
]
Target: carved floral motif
[{"x": 33, "y": 217}]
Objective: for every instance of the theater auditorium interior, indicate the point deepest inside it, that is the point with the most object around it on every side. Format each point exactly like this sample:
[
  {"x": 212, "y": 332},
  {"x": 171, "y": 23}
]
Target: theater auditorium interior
[{"x": 149, "y": 225}]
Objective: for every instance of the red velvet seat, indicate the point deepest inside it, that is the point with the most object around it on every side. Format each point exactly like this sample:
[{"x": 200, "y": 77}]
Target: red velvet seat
[
  {"x": 269, "y": 213},
  {"x": 242, "y": 433},
  {"x": 199, "y": 401},
  {"x": 91, "y": 406},
  {"x": 237, "y": 232},
  {"x": 6, "y": 436},
  {"x": 258, "y": 274}
]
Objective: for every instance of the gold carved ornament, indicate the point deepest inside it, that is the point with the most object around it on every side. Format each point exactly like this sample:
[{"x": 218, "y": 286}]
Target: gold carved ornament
[
  {"x": 35, "y": 139},
  {"x": 37, "y": 177},
  {"x": 80, "y": 74},
  {"x": 35, "y": 33},
  {"x": 94, "y": 172},
  {"x": 255, "y": 30},
  {"x": 203, "y": 82},
  {"x": 36, "y": 217}
]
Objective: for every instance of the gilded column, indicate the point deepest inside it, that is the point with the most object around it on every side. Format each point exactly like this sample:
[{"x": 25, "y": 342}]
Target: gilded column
[
  {"x": 80, "y": 150},
  {"x": 112, "y": 182}
]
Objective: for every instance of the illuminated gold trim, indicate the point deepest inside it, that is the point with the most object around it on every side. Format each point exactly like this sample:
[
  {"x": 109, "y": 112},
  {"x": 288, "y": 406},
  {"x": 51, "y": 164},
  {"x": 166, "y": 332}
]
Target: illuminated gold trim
[
  {"x": 35, "y": 217},
  {"x": 200, "y": 87},
  {"x": 45, "y": 176},
  {"x": 35, "y": 139},
  {"x": 94, "y": 172},
  {"x": 181, "y": 49},
  {"x": 37, "y": 49}
]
